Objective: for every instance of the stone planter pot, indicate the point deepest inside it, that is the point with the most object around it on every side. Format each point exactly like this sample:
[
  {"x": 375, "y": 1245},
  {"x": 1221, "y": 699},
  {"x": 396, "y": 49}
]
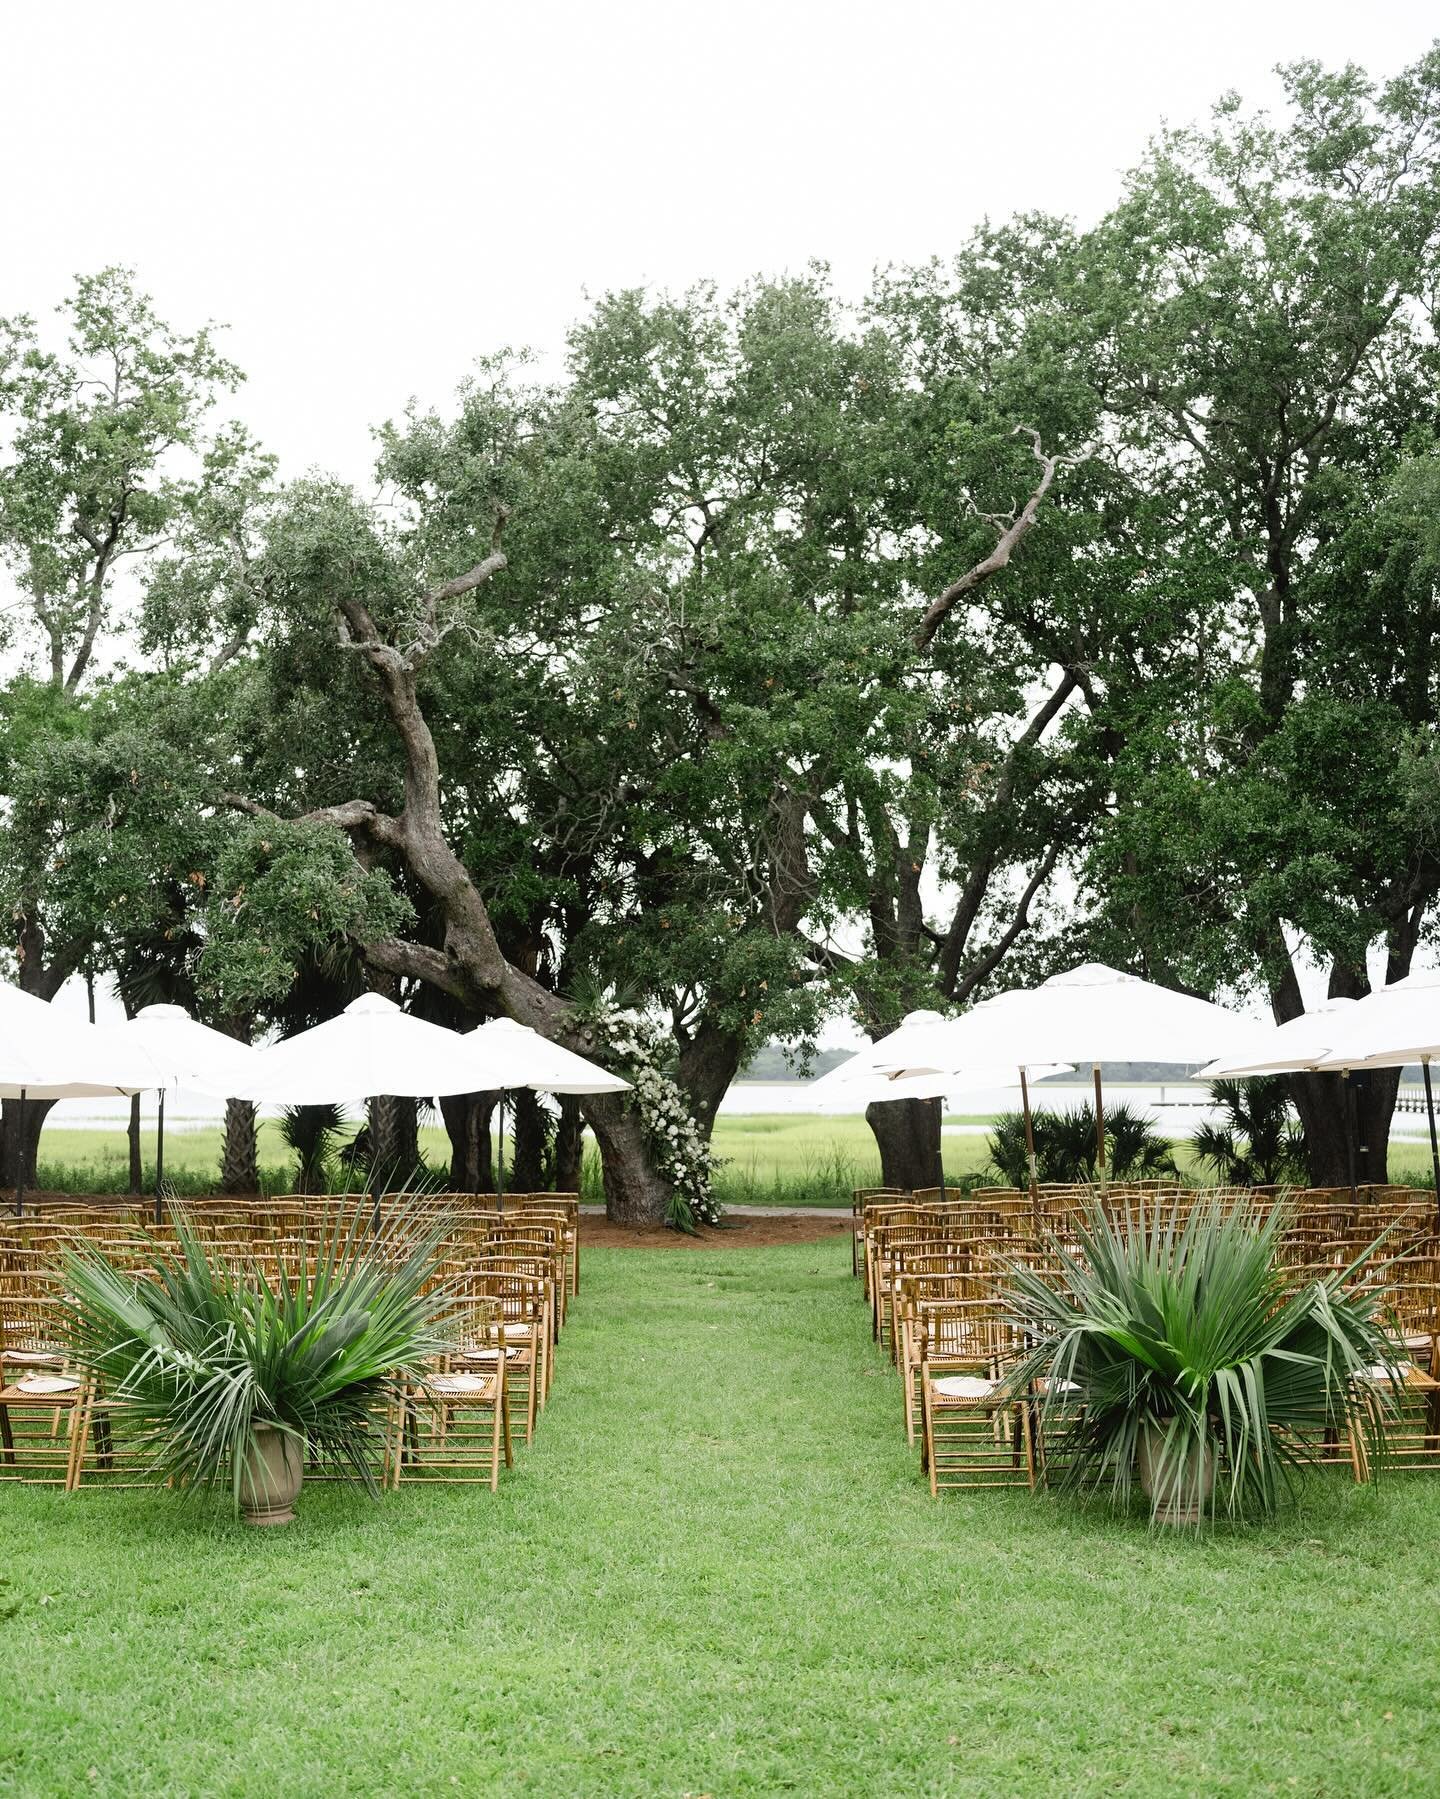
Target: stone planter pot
[
  {"x": 271, "y": 1481},
  {"x": 1188, "y": 1502}
]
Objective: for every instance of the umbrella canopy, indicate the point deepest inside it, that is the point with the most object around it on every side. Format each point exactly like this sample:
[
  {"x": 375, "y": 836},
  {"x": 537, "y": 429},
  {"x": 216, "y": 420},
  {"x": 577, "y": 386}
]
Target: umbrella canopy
[
  {"x": 526, "y": 1059},
  {"x": 1390, "y": 1027},
  {"x": 184, "y": 1052},
  {"x": 1091, "y": 1014},
  {"x": 1295, "y": 1047},
  {"x": 372, "y": 1047},
  {"x": 915, "y": 1061},
  {"x": 45, "y": 1055}
]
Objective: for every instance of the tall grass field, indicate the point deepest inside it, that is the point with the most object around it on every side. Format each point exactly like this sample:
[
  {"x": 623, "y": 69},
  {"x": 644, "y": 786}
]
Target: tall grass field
[{"x": 769, "y": 1159}]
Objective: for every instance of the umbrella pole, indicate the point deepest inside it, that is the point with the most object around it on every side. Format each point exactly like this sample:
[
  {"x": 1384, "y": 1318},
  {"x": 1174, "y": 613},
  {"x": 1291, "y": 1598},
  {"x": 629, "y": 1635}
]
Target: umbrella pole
[
  {"x": 1029, "y": 1138},
  {"x": 1434, "y": 1146},
  {"x": 1101, "y": 1172},
  {"x": 500, "y": 1159},
  {"x": 1349, "y": 1130},
  {"x": 160, "y": 1157},
  {"x": 940, "y": 1152},
  {"x": 20, "y": 1159}
]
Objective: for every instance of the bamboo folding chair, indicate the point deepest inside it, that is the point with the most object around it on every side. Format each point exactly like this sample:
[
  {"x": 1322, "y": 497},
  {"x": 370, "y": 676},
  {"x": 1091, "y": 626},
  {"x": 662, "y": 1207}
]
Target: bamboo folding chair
[
  {"x": 520, "y": 1322},
  {"x": 976, "y": 1433},
  {"x": 38, "y": 1392},
  {"x": 451, "y": 1423}
]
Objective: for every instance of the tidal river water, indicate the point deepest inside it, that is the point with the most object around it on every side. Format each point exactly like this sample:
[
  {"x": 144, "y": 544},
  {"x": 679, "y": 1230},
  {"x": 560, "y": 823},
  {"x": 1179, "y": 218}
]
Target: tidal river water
[{"x": 1177, "y": 1107}]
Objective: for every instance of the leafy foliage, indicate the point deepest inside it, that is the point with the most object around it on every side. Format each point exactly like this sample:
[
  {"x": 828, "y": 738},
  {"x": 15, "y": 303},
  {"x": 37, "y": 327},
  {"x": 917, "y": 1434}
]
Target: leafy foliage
[
  {"x": 312, "y": 1132},
  {"x": 1194, "y": 1329}
]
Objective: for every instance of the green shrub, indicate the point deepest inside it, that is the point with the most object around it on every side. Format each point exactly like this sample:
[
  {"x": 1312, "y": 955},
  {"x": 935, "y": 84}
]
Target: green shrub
[
  {"x": 1258, "y": 1143},
  {"x": 1065, "y": 1146}
]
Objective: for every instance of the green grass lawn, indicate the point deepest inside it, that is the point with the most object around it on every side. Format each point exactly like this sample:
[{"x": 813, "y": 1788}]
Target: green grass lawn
[
  {"x": 772, "y": 1158},
  {"x": 718, "y": 1571}
]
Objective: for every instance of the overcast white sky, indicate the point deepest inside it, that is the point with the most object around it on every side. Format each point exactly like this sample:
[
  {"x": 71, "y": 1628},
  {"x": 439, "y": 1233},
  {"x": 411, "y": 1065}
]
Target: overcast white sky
[{"x": 371, "y": 195}]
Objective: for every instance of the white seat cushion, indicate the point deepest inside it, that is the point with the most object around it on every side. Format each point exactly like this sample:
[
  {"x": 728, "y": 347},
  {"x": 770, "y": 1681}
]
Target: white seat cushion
[
  {"x": 965, "y": 1386},
  {"x": 47, "y": 1383},
  {"x": 462, "y": 1386}
]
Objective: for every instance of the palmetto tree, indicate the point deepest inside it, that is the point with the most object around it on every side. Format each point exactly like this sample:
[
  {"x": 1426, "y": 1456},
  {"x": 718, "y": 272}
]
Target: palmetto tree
[
  {"x": 195, "y": 1356},
  {"x": 1065, "y": 1146},
  {"x": 1259, "y": 1143},
  {"x": 311, "y": 1133}
]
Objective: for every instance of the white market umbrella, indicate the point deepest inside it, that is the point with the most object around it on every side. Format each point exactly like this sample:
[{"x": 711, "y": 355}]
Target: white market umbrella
[
  {"x": 1390, "y": 1028},
  {"x": 1089, "y": 1014},
  {"x": 1298, "y": 1046},
  {"x": 184, "y": 1053},
  {"x": 526, "y": 1059},
  {"x": 915, "y": 1061},
  {"x": 371, "y": 1047},
  {"x": 46, "y": 1055}
]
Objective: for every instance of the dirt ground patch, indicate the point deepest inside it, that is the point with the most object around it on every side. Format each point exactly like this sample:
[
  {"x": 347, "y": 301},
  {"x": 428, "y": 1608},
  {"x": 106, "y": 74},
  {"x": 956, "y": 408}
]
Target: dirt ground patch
[{"x": 738, "y": 1233}]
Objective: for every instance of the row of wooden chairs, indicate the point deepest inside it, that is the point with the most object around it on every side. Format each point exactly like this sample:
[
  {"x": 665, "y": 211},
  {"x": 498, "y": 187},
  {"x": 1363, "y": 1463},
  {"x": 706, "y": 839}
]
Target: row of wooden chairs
[{"x": 503, "y": 1285}]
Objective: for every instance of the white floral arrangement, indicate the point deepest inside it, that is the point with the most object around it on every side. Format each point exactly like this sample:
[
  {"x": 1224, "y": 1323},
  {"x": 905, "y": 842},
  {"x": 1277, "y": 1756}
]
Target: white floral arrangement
[{"x": 681, "y": 1154}]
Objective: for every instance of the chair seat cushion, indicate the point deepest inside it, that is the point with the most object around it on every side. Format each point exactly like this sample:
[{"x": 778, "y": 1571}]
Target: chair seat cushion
[
  {"x": 35, "y": 1358},
  {"x": 965, "y": 1386},
  {"x": 462, "y": 1386},
  {"x": 46, "y": 1384}
]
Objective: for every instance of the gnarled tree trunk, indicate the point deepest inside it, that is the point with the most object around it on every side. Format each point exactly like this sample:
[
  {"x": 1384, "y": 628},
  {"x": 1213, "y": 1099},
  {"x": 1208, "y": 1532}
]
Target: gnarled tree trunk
[
  {"x": 635, "y": 1191},
  {"x": 471, "y": 967},
  {"x": 908, "y": 1134},
  {"x": 708, "y": 1064}
]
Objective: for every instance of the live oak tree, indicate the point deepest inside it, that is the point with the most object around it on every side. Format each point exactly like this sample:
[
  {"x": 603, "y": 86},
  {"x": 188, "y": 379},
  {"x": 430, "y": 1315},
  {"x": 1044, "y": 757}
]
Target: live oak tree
[
  {"x": 1262, "y": 301},
  {"x": 103, "y": 448}
]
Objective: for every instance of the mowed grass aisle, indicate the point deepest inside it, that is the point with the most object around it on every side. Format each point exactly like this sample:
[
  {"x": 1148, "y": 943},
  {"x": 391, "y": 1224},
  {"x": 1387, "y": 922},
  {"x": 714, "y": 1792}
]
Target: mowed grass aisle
[{"x": 717, "y": 1571}]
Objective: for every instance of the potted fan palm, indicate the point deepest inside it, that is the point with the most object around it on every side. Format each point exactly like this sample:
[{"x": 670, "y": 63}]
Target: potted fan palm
[
  {"x": 1181, "y": 1353},
  {"x": 227, "y": 1377}
]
